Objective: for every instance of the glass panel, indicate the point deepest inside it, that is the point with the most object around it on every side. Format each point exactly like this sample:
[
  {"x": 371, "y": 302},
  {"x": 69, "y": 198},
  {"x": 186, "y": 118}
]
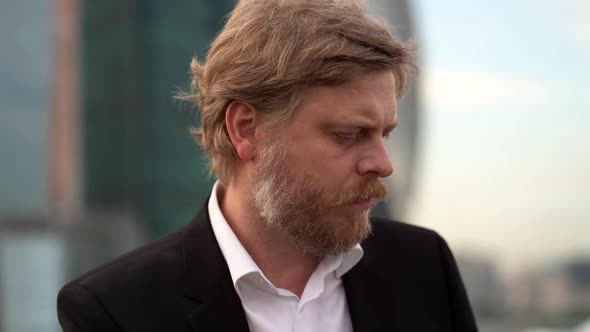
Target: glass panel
[
  {"x": 24, "y": 104},
  {"x": 32, "y": 267}
]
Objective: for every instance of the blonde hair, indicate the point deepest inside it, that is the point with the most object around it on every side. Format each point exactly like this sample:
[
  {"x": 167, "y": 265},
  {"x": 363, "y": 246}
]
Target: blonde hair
[{"x": 270, "y": 51}]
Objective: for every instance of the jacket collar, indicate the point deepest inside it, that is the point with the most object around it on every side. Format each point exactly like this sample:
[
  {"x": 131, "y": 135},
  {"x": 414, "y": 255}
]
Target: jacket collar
[
  {"x": 370, "y": 298},
  {"x": 208, "y": 281}
]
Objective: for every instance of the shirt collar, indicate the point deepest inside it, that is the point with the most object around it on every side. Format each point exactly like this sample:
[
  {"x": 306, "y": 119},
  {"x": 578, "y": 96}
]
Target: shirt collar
[
  {"x": 239, "y": 261},
  {"x": 349, "y": 260}
]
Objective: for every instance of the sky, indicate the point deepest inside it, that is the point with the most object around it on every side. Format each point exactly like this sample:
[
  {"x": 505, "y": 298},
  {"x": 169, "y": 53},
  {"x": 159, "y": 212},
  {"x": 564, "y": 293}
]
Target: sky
[{"x": 504, "y": 165}]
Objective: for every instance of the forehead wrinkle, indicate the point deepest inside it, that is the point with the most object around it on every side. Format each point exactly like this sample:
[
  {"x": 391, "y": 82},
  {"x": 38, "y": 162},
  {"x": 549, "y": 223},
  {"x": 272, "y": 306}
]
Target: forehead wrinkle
[
  {"x": 356, "y": 103},
  {"x": 368, "y": 117}
]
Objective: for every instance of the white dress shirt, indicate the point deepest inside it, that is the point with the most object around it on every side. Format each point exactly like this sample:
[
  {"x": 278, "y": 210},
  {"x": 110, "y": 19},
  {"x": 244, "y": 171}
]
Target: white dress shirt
[{"x": 322, "y": 306}]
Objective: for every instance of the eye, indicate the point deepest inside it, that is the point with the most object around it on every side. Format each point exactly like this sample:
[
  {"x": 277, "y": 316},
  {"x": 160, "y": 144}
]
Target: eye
[
  {"x": 345, "y": 137},
  {"x": 387, "y": 134}
]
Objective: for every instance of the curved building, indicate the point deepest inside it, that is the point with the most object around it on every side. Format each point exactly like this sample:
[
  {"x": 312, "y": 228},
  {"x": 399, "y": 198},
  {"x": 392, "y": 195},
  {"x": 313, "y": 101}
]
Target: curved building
[{"x": 403, "y": 144}]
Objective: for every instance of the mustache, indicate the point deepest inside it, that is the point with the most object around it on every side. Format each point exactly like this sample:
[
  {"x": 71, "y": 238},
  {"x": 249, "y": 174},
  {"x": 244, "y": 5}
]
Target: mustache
[{"x": 368, "y": 189}]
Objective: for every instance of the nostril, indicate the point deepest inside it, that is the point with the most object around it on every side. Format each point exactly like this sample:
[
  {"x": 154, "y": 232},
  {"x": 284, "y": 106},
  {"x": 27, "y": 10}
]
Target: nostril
[{"x": 388, "y": 170}]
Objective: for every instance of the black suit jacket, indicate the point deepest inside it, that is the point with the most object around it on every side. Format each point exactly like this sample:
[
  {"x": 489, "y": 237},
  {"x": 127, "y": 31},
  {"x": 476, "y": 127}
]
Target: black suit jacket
[{"x": 406, "y": 281}]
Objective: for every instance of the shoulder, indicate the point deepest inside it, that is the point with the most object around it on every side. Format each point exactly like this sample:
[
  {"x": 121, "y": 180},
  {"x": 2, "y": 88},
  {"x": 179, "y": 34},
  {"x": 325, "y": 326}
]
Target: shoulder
[
  {"x": 125, "y": 280},
  {"x": 388, "y": 233},
  {"x": 393, "y": 244},
  {"x": 151, "y": 258},
  {"x": 137, "y": 284},
  {"x": 415, "y": 266}
]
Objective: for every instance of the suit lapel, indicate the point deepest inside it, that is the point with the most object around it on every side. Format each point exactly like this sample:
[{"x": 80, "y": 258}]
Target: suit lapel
[
  {"x": 222, "y": 312},
  {"x": 208, "y": 281},
  {"x": 369, "y": 297}
]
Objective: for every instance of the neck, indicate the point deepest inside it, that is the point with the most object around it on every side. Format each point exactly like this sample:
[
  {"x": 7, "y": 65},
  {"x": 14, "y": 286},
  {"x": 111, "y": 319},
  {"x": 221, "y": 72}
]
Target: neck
[{"x": 280, "y": 261}]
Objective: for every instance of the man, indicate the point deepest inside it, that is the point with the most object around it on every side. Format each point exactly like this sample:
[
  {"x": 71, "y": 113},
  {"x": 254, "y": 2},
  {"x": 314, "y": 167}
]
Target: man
[{"x": 296, "y": 99}]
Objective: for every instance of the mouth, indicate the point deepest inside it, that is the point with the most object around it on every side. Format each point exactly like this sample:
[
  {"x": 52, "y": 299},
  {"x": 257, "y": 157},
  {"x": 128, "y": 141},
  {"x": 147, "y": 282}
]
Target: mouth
[{"x": 363, "y": 203}]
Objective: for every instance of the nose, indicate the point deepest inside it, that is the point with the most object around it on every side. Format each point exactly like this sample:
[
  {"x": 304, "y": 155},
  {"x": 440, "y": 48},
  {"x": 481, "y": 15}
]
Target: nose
[{"x": 376, "y": 162}]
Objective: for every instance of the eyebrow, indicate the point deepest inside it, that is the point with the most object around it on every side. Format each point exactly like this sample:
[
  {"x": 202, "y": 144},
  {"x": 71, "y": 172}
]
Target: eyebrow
[{"x": 361, "y": 124}]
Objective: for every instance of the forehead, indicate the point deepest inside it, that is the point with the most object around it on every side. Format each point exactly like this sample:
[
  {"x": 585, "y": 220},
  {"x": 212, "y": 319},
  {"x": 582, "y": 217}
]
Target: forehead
[{"x": 369, "y": 100}]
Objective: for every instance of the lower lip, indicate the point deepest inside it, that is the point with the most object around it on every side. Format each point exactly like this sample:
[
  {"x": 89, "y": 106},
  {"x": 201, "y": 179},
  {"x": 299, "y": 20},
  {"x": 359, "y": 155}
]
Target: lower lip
[{"x": 365, "y": 204}]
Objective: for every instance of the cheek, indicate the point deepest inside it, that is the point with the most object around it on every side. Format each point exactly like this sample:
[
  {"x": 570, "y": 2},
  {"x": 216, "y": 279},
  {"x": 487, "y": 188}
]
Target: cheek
[
  {"x": 333, "y": 174},
  {"x": 324, "y": 161}
]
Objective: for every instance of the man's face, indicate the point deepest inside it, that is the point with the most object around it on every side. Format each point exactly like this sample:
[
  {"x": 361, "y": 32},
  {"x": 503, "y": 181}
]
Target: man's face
[{"x": 317, "y": 178}]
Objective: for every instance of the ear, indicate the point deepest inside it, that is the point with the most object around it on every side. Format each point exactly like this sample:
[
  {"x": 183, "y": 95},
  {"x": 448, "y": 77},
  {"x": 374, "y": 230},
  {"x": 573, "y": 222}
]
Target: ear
[{"x": 240, "y": 119}]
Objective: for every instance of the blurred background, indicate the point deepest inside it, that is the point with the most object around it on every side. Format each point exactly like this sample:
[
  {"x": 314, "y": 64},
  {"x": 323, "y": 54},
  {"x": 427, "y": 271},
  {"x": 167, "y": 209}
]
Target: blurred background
[{"x": 492, "y": 150}]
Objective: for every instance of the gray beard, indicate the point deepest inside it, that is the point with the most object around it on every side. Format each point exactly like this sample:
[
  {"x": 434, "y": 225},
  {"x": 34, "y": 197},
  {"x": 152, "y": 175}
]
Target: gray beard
[{"x": 295, "y": 209}]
